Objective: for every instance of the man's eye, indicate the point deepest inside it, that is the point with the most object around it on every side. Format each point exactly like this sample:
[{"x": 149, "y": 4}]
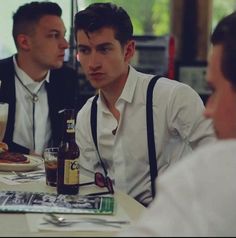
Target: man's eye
[
  {"x": 83, "y": 51},
  {"x": 104, "y": 50},
  {"x": 54, "y": 35}
]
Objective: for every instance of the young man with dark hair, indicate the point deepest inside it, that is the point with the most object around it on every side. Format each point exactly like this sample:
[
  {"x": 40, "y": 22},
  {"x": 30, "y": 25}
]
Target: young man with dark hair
[
  {"x": 34, "y": 81},
  {"x": 197, "y": 197},
  {"x": 104, "y": 35}
]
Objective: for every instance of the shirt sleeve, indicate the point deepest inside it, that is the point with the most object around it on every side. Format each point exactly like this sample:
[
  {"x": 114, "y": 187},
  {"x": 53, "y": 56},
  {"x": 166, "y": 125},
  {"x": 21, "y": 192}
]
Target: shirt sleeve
[{"x": 185, "y": 116}]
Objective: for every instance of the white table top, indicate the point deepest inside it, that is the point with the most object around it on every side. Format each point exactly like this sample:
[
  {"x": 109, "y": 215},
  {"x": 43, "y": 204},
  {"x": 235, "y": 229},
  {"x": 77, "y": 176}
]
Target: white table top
[{"x": 13, "y": 224}]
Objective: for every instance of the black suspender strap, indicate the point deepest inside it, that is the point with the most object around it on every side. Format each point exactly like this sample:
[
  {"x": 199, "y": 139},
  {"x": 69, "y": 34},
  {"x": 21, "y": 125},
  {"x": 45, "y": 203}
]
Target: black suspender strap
[
  {"x": 150, "y": 131},
  {"x": 150, "y": 134},
  {"x": 93, "y": 123},
  {"x": 93, "y": 120}
]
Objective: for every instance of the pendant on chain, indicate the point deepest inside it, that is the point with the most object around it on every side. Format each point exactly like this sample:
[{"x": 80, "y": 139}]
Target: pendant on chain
[{"x": 35, "y": 98}]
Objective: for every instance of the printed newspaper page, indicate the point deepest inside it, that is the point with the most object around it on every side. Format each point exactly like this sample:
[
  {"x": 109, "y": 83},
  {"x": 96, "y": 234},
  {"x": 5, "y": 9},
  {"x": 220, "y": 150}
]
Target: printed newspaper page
[{"x": 18, "y": 201}]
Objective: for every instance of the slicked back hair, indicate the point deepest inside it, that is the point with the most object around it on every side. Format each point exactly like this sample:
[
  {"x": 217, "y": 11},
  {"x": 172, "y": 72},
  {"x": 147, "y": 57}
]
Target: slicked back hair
[
  {"x": 99, "y": 15},
  {"x": 28, "y": 15}
]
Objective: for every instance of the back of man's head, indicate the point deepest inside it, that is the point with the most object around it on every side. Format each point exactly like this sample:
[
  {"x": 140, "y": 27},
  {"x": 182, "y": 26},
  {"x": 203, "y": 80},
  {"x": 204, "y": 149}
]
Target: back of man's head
[
  {"x": 99, "y": 15},
  {"x": 225, "y": 34},
  {"x": 26, "y": 16}
]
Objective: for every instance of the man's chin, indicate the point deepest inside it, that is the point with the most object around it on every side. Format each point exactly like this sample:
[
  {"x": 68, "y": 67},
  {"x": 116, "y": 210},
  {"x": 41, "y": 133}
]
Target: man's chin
[
  {"x": 95, "y": 84},
  {"x": 57, "y": 65}
]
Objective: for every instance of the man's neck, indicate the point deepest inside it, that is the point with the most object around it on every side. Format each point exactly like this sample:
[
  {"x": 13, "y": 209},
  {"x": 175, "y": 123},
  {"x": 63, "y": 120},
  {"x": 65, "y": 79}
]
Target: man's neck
[
  {"x": 112, "y": 92},
  {"x": 110, "y": 101},
  {"x": 30, "y": 68}
]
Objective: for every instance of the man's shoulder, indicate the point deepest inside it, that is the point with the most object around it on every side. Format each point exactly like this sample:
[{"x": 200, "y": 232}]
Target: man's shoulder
[
  {"x": 83, "y": 115},
  {"x": 87, "y": 106},
  {"x": 226, "y": 146},
  {"x": 166, "y": 87},
  {"x": 6, "y": 68},
  {"x": 218, "y": 153},
  {"x": 6, "y": 62},
  {"x": 162, "y": 82},
  {"x": 207, "y": 161}
]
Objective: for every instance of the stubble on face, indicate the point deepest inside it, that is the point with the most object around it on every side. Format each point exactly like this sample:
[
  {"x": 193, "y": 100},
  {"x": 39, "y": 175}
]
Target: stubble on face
[
  {"x": 102, "y": 58},
  {"x": 48, "y": 43}
]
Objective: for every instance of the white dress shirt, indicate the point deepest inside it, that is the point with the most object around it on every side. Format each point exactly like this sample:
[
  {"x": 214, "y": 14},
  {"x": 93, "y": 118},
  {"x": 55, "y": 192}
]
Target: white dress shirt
[
  {"x": 196, "y": 197},
  {"x": 179, "y": 127},
  {"x": 23, "y": 129}
]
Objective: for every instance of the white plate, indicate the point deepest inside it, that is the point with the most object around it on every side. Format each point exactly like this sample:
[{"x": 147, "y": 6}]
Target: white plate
[{"x": 34, "y": 162}]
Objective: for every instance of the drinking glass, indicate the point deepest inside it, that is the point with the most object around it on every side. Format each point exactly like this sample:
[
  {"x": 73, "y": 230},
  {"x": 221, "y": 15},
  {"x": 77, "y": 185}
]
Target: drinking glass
[
  {"x": 50, "y": 163},
  {"x": 3, "y": 119}
]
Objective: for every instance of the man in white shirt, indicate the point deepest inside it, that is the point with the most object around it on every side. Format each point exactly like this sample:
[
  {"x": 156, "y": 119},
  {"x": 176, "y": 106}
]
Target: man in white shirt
[
  {"x": 34, "y": 81},
  {"x": 197, "y": 197},
  {"x": 104, "y": 35}
]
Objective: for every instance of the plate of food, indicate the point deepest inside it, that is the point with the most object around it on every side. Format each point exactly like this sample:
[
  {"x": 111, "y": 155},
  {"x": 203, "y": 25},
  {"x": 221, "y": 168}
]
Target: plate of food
[{"x": 11, "y": 161}]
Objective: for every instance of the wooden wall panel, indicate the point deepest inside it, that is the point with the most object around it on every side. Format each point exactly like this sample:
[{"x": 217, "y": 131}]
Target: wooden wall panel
[{"x": 191, "y": 27}]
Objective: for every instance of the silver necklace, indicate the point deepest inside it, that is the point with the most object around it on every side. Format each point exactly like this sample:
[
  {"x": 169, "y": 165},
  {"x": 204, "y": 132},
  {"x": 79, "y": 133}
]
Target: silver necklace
[{"x": 34, "y": 96}]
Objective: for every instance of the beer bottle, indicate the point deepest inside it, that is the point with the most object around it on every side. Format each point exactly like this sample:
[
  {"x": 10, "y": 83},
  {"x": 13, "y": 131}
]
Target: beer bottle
[{"x": 68, "y": 156}]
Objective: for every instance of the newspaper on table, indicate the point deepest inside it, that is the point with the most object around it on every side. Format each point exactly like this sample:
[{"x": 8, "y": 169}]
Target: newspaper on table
[{"x": 40, "y": 202}]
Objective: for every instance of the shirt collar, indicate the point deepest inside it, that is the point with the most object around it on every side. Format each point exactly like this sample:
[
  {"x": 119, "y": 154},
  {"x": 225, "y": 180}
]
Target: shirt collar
[
  {"x": 129, "y": 88},
  {"x": 26, "y": 79}
]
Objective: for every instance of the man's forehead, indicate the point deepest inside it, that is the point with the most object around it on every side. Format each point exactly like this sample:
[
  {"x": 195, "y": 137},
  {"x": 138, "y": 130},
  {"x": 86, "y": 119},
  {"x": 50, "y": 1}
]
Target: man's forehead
[
  {"x": 96, "y": 38},
  {"x": 103, "y": 32},
  {"x": 51, "y": 22}
]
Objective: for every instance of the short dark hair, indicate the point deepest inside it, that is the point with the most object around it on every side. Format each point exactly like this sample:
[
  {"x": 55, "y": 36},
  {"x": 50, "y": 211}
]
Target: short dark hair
[
  {"x": 225, "y": 34},
  {"x": 29, "y": 14},
  {"x": 99, "y": 15}
]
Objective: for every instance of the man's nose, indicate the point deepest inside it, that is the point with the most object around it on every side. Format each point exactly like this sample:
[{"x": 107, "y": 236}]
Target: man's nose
[
  {"x": 64, "y": 44},
  {"x": 94, "y": 61}
]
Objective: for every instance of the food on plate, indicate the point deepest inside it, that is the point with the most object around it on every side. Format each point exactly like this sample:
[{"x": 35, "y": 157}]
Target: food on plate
[
  {"x": 3, "y": 147},
  {"x": 12, "y": 157}
]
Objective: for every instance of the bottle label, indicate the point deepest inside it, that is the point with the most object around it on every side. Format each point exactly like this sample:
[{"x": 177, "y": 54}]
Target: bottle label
[
  {"x": 71, "y": 172},
  {"x": 70, "y": 126}
]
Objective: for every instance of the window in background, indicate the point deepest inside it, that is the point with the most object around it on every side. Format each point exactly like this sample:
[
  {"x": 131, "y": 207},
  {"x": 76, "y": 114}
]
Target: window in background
[
  {"x": 221, "y": 9},
  {"x": 7, "y": 46},
  {"x": 149, "y": 17},
  {"x": 153, "y": 19}
]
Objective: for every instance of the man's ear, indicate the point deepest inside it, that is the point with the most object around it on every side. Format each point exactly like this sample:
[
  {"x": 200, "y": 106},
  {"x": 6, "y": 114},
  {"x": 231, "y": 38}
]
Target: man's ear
[
  {"x": 129, "y": 50},
  {"x": 23, "y": 42}
]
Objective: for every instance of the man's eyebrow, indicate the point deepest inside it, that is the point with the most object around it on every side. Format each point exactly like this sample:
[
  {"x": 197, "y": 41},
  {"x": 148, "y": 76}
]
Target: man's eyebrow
[
  {"x": 83, "y": 46},
  {"x": 104, "y": 44},
  {"x": 57, "y": 31},
  {"x": 97, "y": 46}
]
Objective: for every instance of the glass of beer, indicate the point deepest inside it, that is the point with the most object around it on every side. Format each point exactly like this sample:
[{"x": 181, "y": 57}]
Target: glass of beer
[
  {"x": 50, "y": 163},
  {"x": 3, "y": 119}
]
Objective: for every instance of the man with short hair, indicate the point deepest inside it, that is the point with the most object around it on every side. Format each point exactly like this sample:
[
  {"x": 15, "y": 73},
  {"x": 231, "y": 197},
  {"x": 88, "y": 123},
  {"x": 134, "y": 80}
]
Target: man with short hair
[
  {"x": 34, "y": 81},
  {"x": 104, "y": 35},
  {"x": 197, "y": 197}
]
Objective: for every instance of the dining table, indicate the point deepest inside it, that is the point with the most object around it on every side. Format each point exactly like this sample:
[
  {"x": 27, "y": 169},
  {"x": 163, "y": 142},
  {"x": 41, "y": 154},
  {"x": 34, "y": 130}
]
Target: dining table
[{"x": 25, "y": 224}]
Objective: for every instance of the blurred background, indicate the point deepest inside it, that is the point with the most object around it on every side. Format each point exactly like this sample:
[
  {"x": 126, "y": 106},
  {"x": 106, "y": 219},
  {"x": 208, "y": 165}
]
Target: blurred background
[{"x": 172, "y": 36}]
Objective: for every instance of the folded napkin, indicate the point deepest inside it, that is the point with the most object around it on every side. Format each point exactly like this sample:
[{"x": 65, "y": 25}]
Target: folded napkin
[{"x": 13, "y": 179}]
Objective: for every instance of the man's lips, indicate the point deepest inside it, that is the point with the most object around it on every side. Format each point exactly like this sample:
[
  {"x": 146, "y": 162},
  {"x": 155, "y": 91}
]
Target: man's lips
[
  {"x": 96, "y": 75},
  {"x": 61, "y": 56}
]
